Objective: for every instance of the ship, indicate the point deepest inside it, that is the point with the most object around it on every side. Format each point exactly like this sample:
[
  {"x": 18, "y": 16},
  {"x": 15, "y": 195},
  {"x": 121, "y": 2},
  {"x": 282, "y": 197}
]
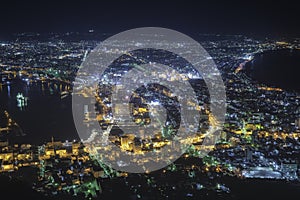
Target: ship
[{"x": 64, "y": 94}]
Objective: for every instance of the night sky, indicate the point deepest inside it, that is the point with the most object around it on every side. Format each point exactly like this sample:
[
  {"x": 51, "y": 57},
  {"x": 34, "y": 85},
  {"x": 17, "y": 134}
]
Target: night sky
[{"x": 224, "y": 17}]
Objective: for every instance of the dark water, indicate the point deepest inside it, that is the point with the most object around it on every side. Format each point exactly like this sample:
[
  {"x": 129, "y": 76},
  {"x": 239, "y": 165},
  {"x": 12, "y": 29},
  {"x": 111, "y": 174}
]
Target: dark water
[
  {"x": 262, "y": 189},
  {"x": 280, "y": 68},
  {"x": 46, "y": 114}
]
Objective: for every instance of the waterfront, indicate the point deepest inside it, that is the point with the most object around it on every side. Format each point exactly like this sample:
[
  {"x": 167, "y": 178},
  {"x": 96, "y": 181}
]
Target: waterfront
[
  {"x": 46, "y": 114},
  {"x": 276, "y": 68},
  {"x": 261, "y": 131}
]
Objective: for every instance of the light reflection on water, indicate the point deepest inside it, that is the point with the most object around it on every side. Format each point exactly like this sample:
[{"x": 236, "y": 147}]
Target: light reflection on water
[{"x": 46, "y": 113}]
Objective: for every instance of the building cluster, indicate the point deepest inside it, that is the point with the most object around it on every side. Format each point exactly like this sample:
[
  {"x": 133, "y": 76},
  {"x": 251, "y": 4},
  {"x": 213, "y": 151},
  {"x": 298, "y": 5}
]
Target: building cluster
[
  {"x": 63, "y": 167},
  {"x": 17, "y": 156},
  {"x": 260, "y": 137},
  {"x": 67, "y": 168}
]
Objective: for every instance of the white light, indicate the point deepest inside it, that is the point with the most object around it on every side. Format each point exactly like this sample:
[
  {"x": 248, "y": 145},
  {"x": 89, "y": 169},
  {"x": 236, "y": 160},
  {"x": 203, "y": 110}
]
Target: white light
[{"x": 154, "y": 103}]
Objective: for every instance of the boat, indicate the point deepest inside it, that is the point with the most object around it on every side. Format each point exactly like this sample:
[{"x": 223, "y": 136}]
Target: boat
[{"x": 64, "y": 94}]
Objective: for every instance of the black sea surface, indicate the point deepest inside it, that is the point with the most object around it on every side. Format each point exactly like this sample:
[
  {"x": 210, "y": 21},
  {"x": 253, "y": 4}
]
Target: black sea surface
[
  {"x": 262, "y": 189},
  {"x": 46, "y": 115},
  {"x": 279, "y": 68}
]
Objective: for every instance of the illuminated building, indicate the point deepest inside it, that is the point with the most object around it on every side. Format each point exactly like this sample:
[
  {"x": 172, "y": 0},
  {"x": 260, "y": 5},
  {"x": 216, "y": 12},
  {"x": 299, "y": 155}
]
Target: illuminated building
[
  {"x": 77, "y": 148},
  {"x": 7, "y": 166},
  {"x": 21, "y": 100},
  {"x": 127, "y": 142},
  {"x": 6, "y": 156}
]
